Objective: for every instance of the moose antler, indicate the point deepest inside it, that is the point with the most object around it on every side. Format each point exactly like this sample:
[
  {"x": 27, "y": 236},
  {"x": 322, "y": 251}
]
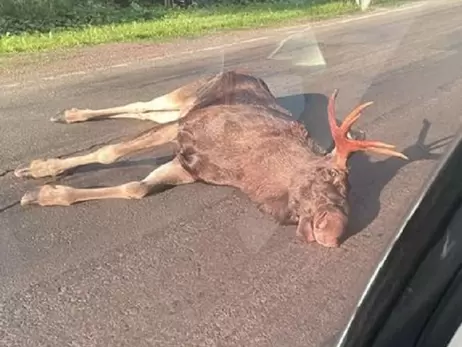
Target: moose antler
[{"x": 344, "y": 147}]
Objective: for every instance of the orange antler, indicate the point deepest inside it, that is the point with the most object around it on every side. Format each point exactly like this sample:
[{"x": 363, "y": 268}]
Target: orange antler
[{"x": 344, "y": 147}]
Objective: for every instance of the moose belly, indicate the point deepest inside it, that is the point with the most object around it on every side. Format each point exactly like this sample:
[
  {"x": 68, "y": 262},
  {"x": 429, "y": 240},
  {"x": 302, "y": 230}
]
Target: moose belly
[{"x": 268, "y": 192}]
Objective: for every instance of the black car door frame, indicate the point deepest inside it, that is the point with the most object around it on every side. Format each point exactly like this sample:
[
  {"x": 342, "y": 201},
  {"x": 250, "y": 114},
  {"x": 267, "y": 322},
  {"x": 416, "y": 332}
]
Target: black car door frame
[{"x": 424, "y": 226}]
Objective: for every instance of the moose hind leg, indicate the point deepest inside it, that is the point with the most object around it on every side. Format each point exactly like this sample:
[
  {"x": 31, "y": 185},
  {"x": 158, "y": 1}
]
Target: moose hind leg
[
  {"x": 171, "y": 173},
  {"x": 134, "y": 110},
  {"x": 152, "y": 138},
  {"x": 163, "y": 109}
]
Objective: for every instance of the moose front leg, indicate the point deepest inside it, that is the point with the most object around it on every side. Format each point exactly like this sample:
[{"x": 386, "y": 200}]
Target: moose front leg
[
  {"x": 106, "y": 155},
  {"x": 171, "y": 173}
]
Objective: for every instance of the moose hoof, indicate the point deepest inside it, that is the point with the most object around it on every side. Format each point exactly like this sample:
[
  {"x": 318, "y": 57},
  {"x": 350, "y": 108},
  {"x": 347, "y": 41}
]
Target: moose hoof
[
  {"x": 23, "y": 171},
  {"x": 48, "y": 195},
  {"x": 31, "y": 197},
  {"x": 60, "y": 117},
  {"x": 68, "y": 116},
  {"x": 40, "y": 168}
]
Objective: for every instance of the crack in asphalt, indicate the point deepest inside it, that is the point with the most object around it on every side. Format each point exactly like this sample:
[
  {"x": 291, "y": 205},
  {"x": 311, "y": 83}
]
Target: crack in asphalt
[
  {"x": 7, "y": 207},
  {"x": 6, "y": 172}
]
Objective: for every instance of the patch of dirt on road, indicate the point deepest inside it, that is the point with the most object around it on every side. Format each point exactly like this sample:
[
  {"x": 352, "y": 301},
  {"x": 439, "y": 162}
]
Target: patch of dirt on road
[{"x": 76, "y": 59}]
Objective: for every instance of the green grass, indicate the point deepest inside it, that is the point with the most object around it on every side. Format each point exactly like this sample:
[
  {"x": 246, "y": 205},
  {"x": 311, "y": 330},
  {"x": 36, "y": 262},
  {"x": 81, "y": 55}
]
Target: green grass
[{"x": 174, "y": 24}]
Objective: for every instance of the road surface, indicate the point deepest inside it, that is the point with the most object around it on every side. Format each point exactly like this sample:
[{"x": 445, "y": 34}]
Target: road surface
[{"x": 198, "y": 265}]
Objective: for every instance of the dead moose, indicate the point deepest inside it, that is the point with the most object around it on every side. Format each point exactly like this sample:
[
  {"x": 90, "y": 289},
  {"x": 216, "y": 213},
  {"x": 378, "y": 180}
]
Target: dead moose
[{"x": 227, "y": 129}]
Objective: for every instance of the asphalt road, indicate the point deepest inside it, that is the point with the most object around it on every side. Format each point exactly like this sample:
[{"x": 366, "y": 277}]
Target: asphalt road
[{"x": 198, "y": 265}]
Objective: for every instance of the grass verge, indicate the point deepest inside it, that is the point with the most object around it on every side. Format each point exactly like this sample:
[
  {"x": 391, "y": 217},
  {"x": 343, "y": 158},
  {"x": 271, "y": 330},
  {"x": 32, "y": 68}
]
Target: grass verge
[
  {"x": 176, "y": 23},
  {"x": 173, "y": 24}
]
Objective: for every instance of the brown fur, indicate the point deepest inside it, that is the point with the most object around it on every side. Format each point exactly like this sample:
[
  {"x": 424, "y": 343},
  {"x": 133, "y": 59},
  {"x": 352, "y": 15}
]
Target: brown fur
[
  {"x": 228, "y": 130},
  {"x": 235, "y": 137}
]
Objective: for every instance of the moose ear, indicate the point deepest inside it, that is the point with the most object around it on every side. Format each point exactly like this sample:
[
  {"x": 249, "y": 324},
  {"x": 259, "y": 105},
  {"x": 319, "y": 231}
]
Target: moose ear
[
  {"x": 305, "y": 230},
  {"x": 329, "y": 226}
]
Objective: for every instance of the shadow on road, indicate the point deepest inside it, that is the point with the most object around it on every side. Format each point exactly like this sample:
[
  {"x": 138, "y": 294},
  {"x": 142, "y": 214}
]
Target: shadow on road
[
  {"x": 365, "y": 198},
  {"x": 311, "y": 110}
]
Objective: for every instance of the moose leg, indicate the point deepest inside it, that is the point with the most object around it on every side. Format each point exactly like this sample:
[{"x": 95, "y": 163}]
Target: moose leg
[
  {"x": 160, "y": 117},
  {"x": 163, "y": 109},
  {"x": 135, "y": 110},
  {"x": 171, "y": 173},
  {"x": 152, "y": 138}
]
